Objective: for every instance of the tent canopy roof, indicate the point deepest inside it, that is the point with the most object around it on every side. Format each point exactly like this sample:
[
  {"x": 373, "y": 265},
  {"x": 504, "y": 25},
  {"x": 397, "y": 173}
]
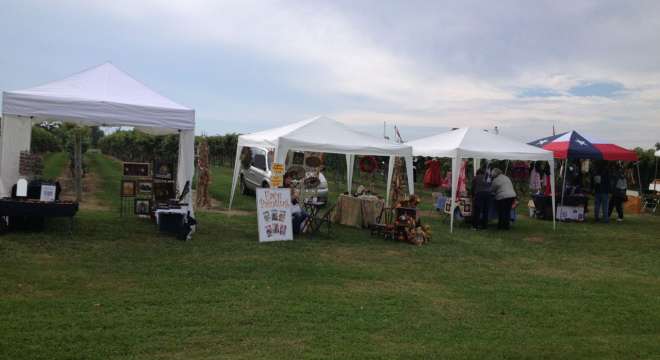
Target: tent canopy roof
[
  {"x": 103, "y": 96},
  {"x": 476, "y": 143},
  {"x": 573, "y": 145},
  {"x": 323, "y": 134}
]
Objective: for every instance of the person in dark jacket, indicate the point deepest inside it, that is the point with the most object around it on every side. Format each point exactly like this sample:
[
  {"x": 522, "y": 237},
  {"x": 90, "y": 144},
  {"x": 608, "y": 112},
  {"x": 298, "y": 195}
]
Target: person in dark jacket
[
  {"x": 618, "y": 195},
  {"x": 601, "y": 185},
  {"x": 505, "y": 195},
  {"x": 480, "y": 199}
]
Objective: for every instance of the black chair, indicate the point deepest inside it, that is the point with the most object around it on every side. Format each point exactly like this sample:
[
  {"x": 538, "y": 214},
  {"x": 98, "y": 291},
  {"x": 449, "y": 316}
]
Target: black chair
[
  {"x": 384, "y": 225},
  {"x": 315, "y": 223}
]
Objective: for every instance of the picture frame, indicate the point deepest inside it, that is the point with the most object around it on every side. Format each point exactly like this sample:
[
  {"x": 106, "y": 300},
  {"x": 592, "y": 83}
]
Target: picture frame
[
  {"x": 134, "y": 169},
  {"x": 142, "y": 206},
  {"x": 48, "y": 193},
  {"x": 163, "y": 191},
  {"x": 127, "y": 188},
  {"x": 145, "y": 187},
  {"x": 163, "y": 170},
  {"x": 298, "y": 158}
]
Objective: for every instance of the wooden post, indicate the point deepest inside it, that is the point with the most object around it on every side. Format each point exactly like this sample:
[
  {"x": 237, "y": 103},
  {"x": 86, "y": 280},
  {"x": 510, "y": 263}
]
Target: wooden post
[{"x": 77, "y": 166}]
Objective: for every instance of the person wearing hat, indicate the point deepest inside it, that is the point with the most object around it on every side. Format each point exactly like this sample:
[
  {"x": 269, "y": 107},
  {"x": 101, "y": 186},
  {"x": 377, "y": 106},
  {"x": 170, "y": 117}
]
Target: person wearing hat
[{"x": 502, "y": 189}]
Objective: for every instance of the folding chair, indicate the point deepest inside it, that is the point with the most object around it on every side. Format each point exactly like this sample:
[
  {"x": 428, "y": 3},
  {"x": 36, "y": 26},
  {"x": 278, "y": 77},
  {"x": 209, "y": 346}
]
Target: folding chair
[
  {"x": 384, "y": 225},
  {"x": 315, "y": 223},
  {"x": 650, "y": 204}
]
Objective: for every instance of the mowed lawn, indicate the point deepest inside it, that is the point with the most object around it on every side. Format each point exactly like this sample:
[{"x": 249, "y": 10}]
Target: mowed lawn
[{"x": 117, "y": 289}]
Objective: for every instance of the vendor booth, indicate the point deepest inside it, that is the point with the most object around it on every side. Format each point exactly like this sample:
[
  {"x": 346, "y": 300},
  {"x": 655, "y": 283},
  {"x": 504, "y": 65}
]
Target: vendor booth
[
  {"x": 324, "y": 135},
  {"x": 100, "y": 96},
  {"x": 574, "y": 146},
  {"x": 477, "y": 144}
]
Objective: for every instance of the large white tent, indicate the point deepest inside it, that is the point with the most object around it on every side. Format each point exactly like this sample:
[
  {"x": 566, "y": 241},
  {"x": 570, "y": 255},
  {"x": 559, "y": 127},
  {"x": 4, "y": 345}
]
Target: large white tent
[
  {"x": 478, "y": 144},
  {"x": 322, "y": 134},
  {"x": 100, "y": 96}
]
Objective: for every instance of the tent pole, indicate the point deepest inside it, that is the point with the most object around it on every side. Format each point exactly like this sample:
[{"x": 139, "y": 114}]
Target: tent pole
[
  {"x": 409, "y": 175},
  {"x": 237, "y": 169},
  {"x": 388, "y": 187},
  {"x": 563, "y": 182},
  {"x": 639, "y": 179},
  {"x": 77, "y": 165},
  {"x": 655, "y": 186},
  {"x": 454, "y": 185},
  {"x": 551, "y": 163},
  {"x": 349, "y": 171}
]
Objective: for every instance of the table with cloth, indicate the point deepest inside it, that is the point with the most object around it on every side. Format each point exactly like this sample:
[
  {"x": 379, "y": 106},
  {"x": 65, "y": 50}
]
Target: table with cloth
[{"x": 359, "y": 212}]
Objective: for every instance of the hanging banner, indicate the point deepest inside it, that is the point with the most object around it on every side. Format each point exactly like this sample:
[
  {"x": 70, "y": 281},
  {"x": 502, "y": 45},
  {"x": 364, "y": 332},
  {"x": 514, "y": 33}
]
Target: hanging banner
[
  {"x": 274, "y": 214},
  {"x": 277, "y": 175}
]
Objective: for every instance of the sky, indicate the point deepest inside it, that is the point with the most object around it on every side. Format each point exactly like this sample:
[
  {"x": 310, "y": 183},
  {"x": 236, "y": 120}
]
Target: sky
[{"x": 424, "y": 66}]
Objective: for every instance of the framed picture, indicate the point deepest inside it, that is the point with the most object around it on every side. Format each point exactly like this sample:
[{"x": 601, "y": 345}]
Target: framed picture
[
  {"x": 163, "y": 191},
  {"x": 127, "y": 188},
  {"x": 48, "y": 193},
  {"x": 163, "y": 171},
  {"x": 142, "y": 206},
  {"x": 298, "y": 158},
  {"x": 136, "y": 169},
  {"x": 145, "y": 187}
]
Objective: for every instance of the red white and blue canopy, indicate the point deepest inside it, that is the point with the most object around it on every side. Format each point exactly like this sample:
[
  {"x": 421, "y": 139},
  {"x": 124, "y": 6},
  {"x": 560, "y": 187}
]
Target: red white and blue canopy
[{"x": 572, "y": 145}]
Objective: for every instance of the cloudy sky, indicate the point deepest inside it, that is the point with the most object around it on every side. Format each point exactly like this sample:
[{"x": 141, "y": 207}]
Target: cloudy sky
[{"x": 592, "y": 66}]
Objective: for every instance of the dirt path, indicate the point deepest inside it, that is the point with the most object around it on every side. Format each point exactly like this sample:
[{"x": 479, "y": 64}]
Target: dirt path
[{"x": 91, "y": 184}]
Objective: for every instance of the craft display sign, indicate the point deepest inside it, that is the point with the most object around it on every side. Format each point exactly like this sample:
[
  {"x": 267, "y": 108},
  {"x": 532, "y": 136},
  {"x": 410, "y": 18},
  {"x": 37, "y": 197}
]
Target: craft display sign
[
  {"x": 277, "y": 178},
  {"x": 274, "y": 214}
]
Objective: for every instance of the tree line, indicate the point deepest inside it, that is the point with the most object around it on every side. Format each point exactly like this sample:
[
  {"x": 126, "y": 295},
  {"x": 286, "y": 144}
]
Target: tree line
[{"x": 133, "y": 145}]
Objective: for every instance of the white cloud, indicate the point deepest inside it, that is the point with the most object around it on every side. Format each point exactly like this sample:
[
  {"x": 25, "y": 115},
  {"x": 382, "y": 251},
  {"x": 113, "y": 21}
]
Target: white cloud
[{"x": 338, "y": 55}]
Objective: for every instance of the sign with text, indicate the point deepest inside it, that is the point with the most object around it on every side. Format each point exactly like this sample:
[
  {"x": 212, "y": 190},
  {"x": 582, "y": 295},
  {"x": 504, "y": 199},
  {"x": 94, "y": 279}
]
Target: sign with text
[
  {"x": 277, "y": 176},
  {"x": 274, "y": 214}
]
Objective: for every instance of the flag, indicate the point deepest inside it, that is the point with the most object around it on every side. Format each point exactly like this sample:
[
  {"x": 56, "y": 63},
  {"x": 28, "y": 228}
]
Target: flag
[{"x": 398, "y": 135}]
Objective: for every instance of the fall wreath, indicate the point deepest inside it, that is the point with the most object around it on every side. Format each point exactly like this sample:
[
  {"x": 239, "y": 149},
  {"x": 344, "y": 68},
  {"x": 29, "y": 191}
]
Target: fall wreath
[{"x": 368, "y": 164}]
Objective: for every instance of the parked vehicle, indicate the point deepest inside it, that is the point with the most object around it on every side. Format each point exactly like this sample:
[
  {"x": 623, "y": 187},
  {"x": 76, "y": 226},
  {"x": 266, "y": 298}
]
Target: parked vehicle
[{"x": 259, "y": 173}]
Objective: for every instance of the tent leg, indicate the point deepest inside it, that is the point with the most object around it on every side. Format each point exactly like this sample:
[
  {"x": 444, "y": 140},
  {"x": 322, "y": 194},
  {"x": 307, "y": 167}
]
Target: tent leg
[
  {"x": 409, "y": 175},
  {"x": 563, "y": 182},
  {"x": 454, "y": 185},
  {"x": 237, "y": 168},
  {"x": 77, "y": 165},
  {"x": 390, "y": 171},
  {"x": 350, "y": 162},
  {"x": 639, "y": 180},
  {"x": 551, "y": 163}
]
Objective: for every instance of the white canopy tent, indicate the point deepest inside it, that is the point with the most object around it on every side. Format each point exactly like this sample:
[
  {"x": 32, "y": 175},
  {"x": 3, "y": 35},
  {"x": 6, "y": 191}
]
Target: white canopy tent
[
  {"x": 322, "y": 134},
  {"x": 100, "y": 96},
  {"x": 478, "y": 144}
]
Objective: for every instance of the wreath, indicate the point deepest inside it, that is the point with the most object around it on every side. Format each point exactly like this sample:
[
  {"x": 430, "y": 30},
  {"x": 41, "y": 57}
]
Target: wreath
[{"x": 368, "y": 164}]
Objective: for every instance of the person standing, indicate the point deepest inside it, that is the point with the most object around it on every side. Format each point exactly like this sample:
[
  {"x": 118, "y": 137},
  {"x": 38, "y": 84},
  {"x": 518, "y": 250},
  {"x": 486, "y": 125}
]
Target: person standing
[
  {"x": 480, "y": 200},
  {"x": 601, "y": 183},
  {"x": 619, "y": 195},
  {"x": 502, "y": 188}
]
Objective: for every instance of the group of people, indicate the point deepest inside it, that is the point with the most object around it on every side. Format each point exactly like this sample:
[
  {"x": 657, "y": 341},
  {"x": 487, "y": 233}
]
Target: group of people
[
  {"x": 498, "y": 187},
  {"x": 609, "y": 193}
]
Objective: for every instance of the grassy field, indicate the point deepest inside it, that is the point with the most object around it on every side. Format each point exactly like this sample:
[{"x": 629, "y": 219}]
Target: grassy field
[
  {"x": 117, "y": 289},
  {"x": 54, "y": 164}
]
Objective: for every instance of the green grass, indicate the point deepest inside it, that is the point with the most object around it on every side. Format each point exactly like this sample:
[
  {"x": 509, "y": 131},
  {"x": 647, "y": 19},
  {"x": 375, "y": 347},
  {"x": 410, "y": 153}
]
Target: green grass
[
  {"x": 109, "y": 172},
  {"x": 117, "y": 289},
  {"x": 54, "y": 164}
]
